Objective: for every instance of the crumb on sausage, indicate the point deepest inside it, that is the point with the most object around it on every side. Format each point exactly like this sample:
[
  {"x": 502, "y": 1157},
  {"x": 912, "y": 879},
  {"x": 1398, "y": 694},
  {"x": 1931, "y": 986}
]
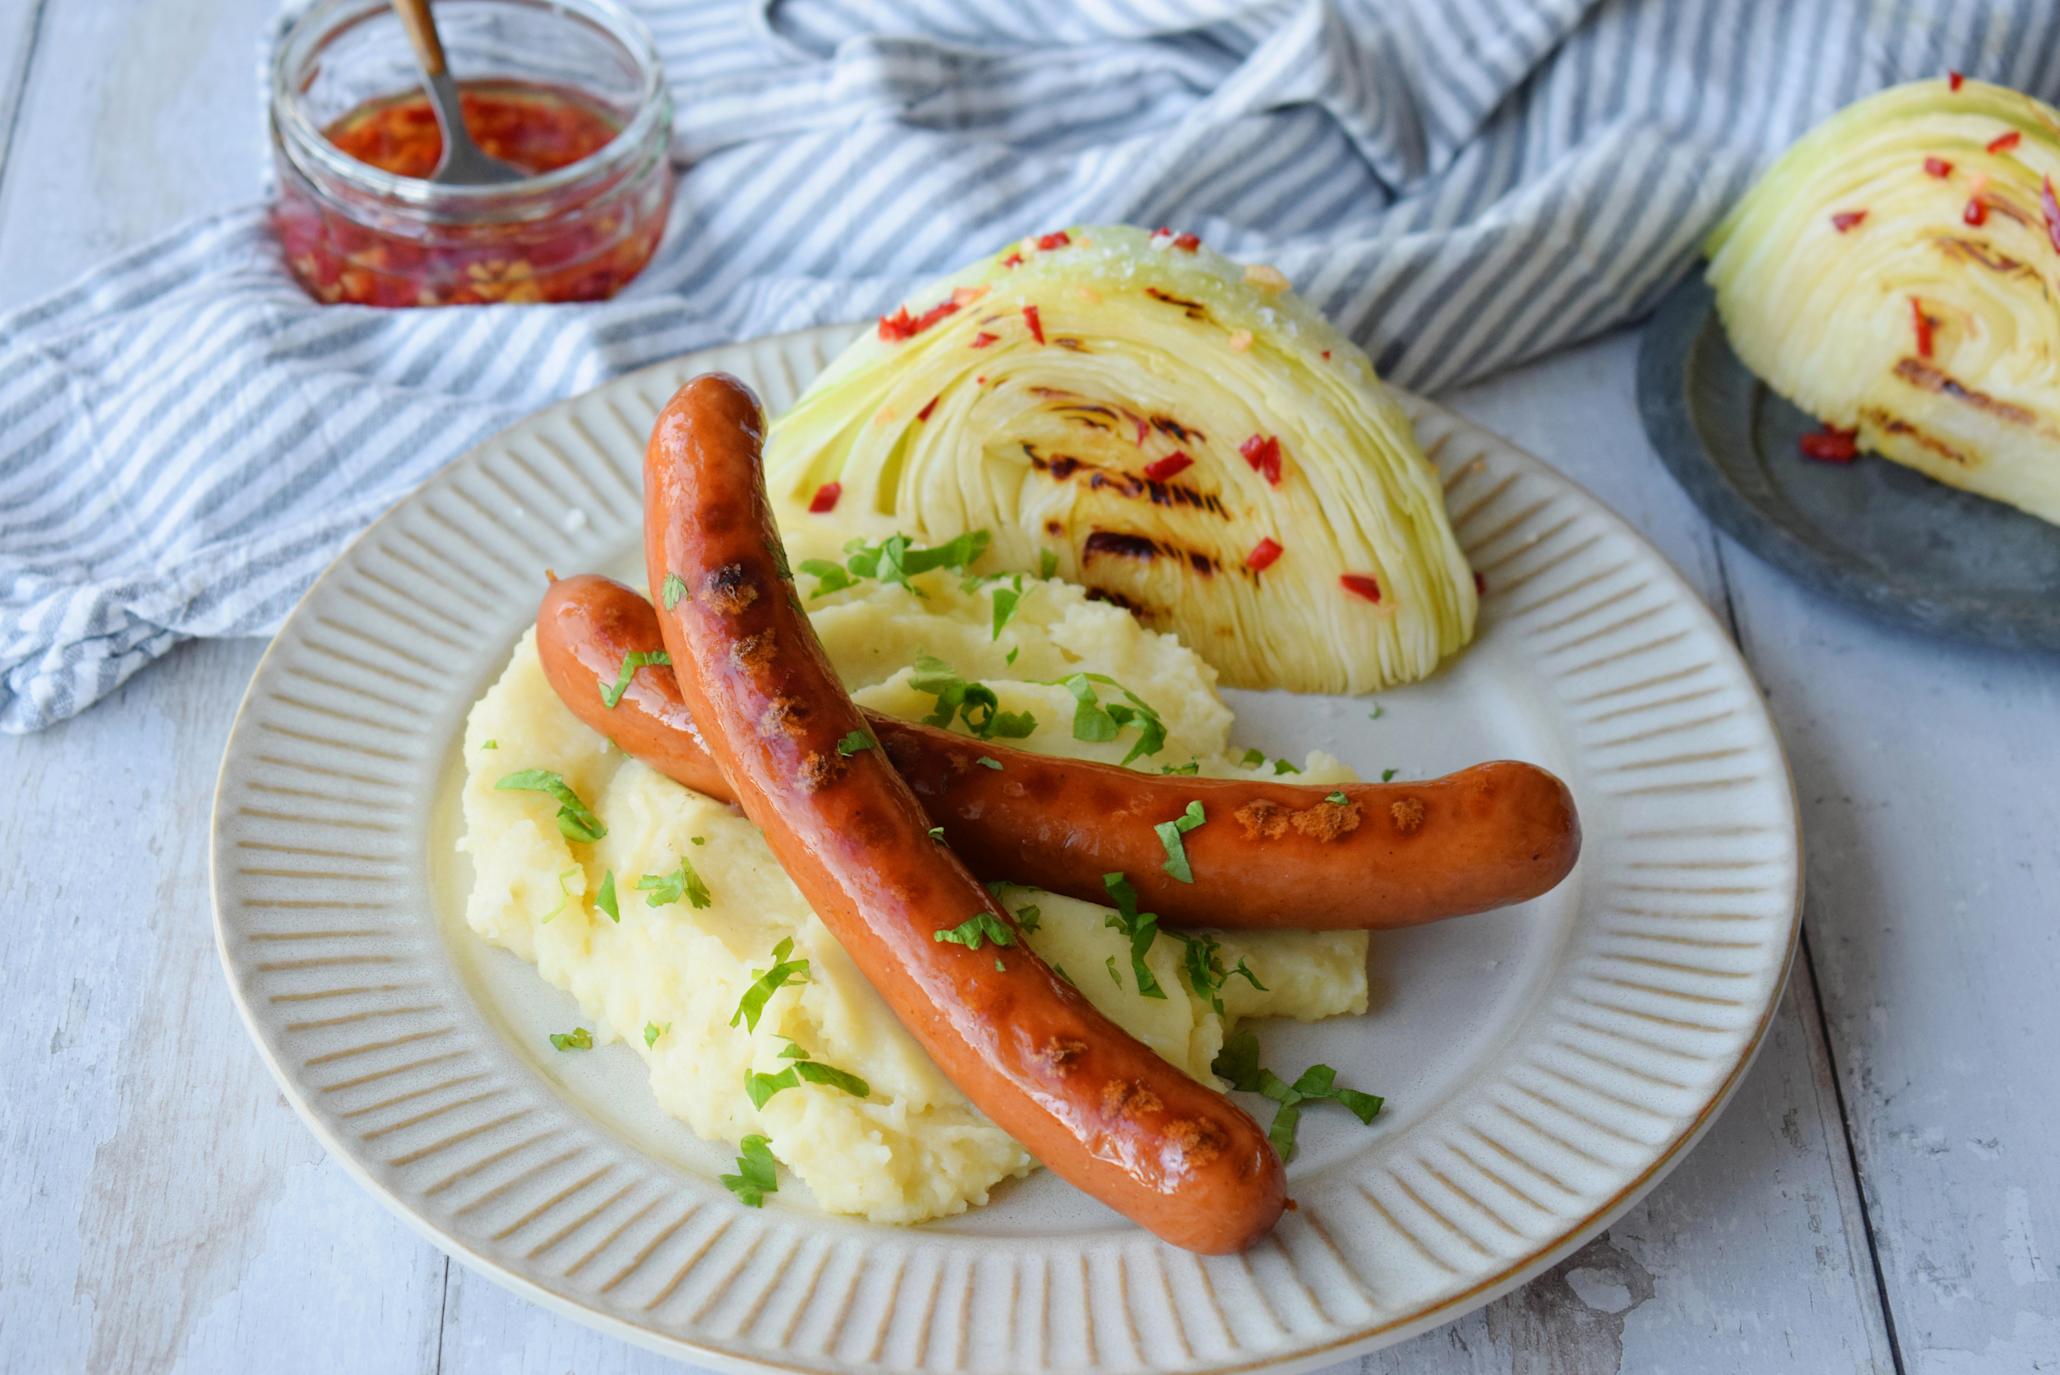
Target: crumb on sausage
[
  {"x": 1261, "y": 819},
  {"x": 752, "y": 653},
  {"x": 729, "y": 589},
  {"x": 1128, "y": 1098},
  {"x": 1198, "y": 1139},
  {"x": 1407, "y": 814}
]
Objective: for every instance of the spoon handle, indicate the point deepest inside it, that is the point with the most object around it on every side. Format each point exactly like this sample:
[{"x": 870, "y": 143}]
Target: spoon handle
[{"x": 421, "y": 34}]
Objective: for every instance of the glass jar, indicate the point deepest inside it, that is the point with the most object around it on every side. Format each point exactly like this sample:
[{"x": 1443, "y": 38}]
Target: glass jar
[{"x": 570, "y": 89}]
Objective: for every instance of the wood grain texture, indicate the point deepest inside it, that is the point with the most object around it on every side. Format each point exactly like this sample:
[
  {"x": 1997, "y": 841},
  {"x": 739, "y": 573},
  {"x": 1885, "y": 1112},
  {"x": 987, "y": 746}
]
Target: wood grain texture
[{"x": 172, "y": 1214}]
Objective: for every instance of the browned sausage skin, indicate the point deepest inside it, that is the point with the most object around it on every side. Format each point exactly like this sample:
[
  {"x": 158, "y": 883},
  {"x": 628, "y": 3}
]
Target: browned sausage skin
[
  {"x": 1087, "y": 1099},
  {"x": 1270, "y": 856}
]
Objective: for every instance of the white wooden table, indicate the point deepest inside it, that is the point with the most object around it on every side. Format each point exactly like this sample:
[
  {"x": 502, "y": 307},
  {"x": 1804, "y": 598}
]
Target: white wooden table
[{"x": 1881, "y": 1195}]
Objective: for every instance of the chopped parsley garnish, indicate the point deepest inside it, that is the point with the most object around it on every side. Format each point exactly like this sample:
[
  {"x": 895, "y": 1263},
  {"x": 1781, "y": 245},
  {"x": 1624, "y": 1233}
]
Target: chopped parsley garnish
[
  {"x": 631, "y": 662},
  {"x": 1254, "y": 758},
  {"x": 576, "y": 820},
  {"x": 605, "y": 899},
  {"x": 697, "y": 840},
  {"x": 1093, "y": 721},
  {"x": 1239, "y": 1063},
  {"x": 670, "y": 888},
  {"x": 671, "y": 590},
  {"x": 854, "y": 742},
  {"x": 1028, "y": 918},
  {"x": 894, "y": 560},
  {"x": 1010, "y": 657},
  {"x": 1387, "y": 775},
  {"x": 652, "y": 1031},
  {"x": 768, "y": 982},
  {"x": 1047, "y": 563},
  {"x": 564, "y": 894},
  {"x": 579, "y": 1038},
  {"x": 756, "y": 1175},
  {"x": 1192, "y": 766},
  {"x": 1337, "y": 797},
  {"x": 761, "y": 1087},
  {"x": 1378, "y": 712},
  {"x": 1114, "y": 977},
  {"x": 1201, "y": 956},
  {"x": 937, "y": 834},
  {"x": 1141, "y": 928},
  {"x": 1281, "y": 766},
  {"x": 974, "y": 703},
  {"x": 491, "y": 745},
  {"x": 1005, "y": 600},
  {"x": 1170, "y": 833},
  {"x": 988, "y": 761},
  {"x": 975, "y": 930}
]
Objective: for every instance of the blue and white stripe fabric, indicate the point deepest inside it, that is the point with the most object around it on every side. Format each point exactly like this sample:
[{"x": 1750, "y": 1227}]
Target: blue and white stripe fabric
[{"x": 185, "y": 440}]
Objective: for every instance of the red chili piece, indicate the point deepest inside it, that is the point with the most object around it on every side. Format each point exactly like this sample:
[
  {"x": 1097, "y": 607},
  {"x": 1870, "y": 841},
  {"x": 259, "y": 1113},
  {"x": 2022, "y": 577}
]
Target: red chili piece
[
  {"x": 1036, "y": 325},
  {"x": 2003, "y": 143},
  {"x": 1143, "y": 431},
  {"x": 1262, "y": 451},
  {"x": 1361, "y": 585},
  {"x": 1161, "y": 469},
  {"x": 2049, "y": 205},
  {"x": 1938, "y": 167},
  {"x": 982, "y": 340},
  {"x": 1013, "y": 260},
  {"x": 924, "y": 413},
  {"x": 1187, "y": 243},
  {"x": 1955, "y": 79},
  {"x": 1051, "y": 241},
  {"x": 901, "y": 325},
  {"x": 825, "y": 498},
  {"x": 1976, "y": 212},
  {"x": 1923, "y": 322},
  {"x": 1480, "y": 585},
  {"x": 1830, "y": 445},
  {"x": 1262, "y": 556},
  {"x": 1846, "y": 219}
]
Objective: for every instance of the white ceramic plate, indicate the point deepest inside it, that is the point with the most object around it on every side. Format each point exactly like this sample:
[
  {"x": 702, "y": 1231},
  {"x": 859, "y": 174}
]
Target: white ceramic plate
[{"x": 1543, "y": 1065}]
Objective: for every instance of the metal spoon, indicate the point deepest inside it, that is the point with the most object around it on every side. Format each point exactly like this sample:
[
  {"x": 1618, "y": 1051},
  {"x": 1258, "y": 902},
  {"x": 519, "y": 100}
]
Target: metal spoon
[{"x": 462, "y": 163}]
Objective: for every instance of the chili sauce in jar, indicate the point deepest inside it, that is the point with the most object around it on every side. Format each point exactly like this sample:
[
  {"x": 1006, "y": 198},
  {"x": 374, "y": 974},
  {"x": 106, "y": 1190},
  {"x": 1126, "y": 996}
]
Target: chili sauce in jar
[{"x": 355, "y": 140}]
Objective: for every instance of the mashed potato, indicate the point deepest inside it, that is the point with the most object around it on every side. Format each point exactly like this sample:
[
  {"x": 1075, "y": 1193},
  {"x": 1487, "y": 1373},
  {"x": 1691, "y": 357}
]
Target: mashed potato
[{"x": 667, "y": 978}]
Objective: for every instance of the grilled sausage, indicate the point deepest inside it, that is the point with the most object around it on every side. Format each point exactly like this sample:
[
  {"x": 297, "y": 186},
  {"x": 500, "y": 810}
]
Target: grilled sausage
[
  {"x": 1087, "y": 1099},
  {"x": 1271, "y": 855}
]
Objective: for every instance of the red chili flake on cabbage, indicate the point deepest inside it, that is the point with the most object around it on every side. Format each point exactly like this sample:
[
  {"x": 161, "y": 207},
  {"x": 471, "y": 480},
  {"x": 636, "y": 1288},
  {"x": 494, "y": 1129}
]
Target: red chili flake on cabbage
[
  {"x": 1187, "y": 243},
  {"x": 1938, "y": 167},
  {"x": 1955, "y": 80},
  {"x": 1013, "y": 260},
  {"x": 1480, "y": 585},
  {"x": 1976, "y": 212},
  {"x": 825, "y": 498},
  {"x": 1361, "y": 585},
  {"x": 1036, "y": 325},
  {"x": 924, "y": 413},
  {"x": 1924, "y": 327},
  {"x": 1051, "y": 241},
  {"x": 1830, "y": 445},
  {"x": 901, "y": 325},
  {"x": 982, "y": 340},
  {"x": 1326, "y": 355},
  {"x": 1262, "y": 451},
  {"x": 1144, "y": 431},
  {"x": 1846, "y": 219},
  {"x": 2003, "y": 143},
  {"x": 1262, "y": 556},
  {"x": 2049, "y": 206},
  {"x": 1161, "y": 469}
]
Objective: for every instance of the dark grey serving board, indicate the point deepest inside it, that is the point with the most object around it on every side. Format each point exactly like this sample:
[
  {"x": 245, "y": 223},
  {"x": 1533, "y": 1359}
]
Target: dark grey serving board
[{"x": 1873, "y": 532}]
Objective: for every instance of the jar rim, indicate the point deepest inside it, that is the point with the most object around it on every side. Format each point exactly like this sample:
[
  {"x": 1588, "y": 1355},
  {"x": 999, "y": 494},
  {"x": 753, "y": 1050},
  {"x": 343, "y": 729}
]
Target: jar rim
[{"x": 306, "y": 145}]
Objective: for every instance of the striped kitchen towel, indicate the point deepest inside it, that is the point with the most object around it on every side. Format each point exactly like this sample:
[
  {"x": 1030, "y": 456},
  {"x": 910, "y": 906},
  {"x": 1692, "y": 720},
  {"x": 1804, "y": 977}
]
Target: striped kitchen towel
[{"x": 185, "y": 440}]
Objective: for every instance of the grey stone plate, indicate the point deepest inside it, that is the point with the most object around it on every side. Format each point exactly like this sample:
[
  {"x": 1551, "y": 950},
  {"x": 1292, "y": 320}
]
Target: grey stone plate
[{"x": 1873, "y": 533}]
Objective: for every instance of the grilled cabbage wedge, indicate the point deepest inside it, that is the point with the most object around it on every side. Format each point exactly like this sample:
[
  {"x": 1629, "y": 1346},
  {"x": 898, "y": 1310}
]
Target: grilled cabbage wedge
[
  {"x": 1171, "y": 429},
  {"x": 1897, "y": 272}
]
